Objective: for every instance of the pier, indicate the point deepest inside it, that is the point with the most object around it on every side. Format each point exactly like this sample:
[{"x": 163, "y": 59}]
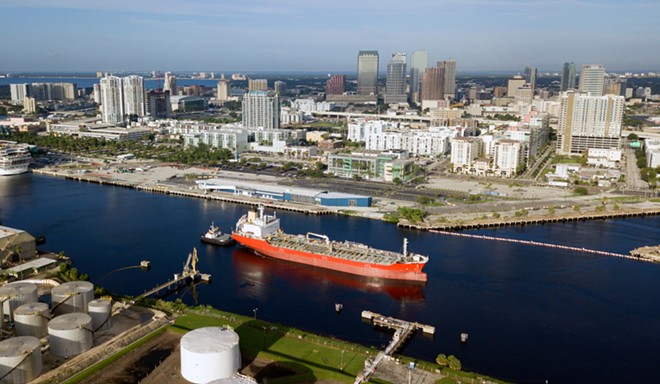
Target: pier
[
  {"x": 402, "y": 331},
  {"x": 188, "y": 275},
  {"x": 540, "y": 244},
  {"x": 521, "y": 221},
  {"x": 194, "y": 193}
]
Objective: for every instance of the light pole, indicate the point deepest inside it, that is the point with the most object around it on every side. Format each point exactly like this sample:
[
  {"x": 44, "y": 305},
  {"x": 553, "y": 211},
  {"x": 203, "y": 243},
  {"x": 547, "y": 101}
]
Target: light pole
[
  {"x": 341, "y": 366},
  {"x": 255, "y": 313}
]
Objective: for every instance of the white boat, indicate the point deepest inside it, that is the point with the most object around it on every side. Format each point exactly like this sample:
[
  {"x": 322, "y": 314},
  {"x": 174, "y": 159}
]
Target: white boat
[{"x": 14, "y": 158}]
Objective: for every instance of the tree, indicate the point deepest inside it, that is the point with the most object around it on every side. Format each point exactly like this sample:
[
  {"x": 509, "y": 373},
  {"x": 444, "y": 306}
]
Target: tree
[
  {"x": 442, "y": 360},
  {"x": 581, "y": 191},
  {"x": 454, "y": 363},
  {"x": 633, "y": 137}
]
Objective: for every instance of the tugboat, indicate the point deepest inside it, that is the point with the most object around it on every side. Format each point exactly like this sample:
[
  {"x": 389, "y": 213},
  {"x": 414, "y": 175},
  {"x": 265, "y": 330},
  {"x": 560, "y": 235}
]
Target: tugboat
[{"x": 216, "y": 237}]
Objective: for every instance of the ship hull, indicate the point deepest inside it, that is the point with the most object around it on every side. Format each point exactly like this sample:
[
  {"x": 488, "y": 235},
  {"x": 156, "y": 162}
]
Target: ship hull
[
  {"x": 13, "y": 171},
  {"x": 399, "y": 271},
  {"x": 221, "y": 240}
]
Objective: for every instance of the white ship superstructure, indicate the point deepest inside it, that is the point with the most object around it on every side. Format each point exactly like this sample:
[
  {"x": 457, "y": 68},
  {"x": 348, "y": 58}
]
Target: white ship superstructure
[{"x": 14, "y": 158}]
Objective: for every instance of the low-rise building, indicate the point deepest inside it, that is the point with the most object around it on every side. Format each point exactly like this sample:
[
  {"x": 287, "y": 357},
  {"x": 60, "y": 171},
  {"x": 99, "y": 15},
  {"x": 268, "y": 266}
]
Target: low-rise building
[
  {"x": 652, "y": 150},
  {"x": 605, "y": 158}
]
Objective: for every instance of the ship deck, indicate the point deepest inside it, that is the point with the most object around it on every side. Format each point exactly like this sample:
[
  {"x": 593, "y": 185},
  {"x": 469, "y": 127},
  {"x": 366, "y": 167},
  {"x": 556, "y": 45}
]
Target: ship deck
[{"x": 342, "y": 250}]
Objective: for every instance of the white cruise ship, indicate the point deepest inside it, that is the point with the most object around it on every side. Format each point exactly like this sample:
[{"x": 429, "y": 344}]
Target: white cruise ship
[{"x": 14, "y": 158}]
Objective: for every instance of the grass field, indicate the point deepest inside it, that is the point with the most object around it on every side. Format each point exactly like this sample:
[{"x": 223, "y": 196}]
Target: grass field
[{"x": 311, "y": 357}]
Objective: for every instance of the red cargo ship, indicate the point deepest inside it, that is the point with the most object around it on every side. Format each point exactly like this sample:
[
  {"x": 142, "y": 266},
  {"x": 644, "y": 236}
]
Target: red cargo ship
[{"x": 261, "y": 233}]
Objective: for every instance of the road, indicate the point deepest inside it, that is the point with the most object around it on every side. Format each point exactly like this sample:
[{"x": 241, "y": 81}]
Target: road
[{"x": 633, "y": 177}]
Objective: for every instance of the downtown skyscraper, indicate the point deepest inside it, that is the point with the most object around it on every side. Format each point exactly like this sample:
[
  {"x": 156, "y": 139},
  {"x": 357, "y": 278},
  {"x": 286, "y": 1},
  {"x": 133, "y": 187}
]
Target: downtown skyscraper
[
  {"x": 395, "y": 86},
  {"x": 419, "y": 61},
  {"x": 592, "y": 79},
  {"x": 568, "y": 76},
  {"x": 367, "y": 73},
  {"x": 450, "y": 77}
]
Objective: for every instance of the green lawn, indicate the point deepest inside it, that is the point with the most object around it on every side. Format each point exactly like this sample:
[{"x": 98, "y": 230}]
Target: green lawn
[{"x": 313, "y": 357}]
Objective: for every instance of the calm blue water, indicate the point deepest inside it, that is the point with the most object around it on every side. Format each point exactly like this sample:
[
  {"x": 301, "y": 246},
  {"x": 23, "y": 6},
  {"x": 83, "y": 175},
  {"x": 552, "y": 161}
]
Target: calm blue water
[
  {"x": 88, "y": 82},
  {"x": 533, "y": 314}
]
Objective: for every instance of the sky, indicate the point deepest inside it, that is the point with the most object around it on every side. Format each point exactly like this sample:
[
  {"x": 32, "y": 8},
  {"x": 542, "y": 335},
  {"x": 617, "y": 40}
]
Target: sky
[{"x": 324, "y": 36}]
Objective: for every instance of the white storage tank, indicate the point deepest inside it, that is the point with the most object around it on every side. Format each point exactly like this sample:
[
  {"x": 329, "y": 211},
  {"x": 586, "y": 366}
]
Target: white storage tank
[
  {"x": 209, "y": 353},
  {"x": 238, "y": 379},
  {"x": 101, "y": 312},
  {"x": 20, "y": 359},
  {"x": 72, "y": 296},
  {"x": 13, "y": 295},
  {"x": 32, "y": 320},
  {"x": 70, "y": 334}
]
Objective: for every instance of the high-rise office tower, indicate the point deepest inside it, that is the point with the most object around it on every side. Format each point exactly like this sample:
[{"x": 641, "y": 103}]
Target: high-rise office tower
[
  {"x": 112, "y": 100},
  {"x": 395, "y": 85},
  {"x": 19, "y": 92},
  {"x": 433, "y": 84},
  {"x": 223, "y": 89},
  {"x": 592, "y": 79},
  {"x": 568, "y": 76},
  {"x": 335, "y": 85},
  {"x": 588, "y": 121},
  {"x": 450, "y": 76},
  {"x": 367, "y": 73},
  {"x": 419, "y": 61},
  {"x": 133, "y": 87},
  {"x": 530, "y": 76},
  {"x": 279, "y": 87},
  {"x": 261, "y": 109},
  {"x": 513, "y": 85},
  {"x": 257, "y": 85},
  {"x": 170, "y": 84},
  {"x": 159, "y": 105}
]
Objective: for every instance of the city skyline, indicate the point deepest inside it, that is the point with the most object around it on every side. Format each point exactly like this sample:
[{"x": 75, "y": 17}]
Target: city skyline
[{"x": 75, "y": 35}]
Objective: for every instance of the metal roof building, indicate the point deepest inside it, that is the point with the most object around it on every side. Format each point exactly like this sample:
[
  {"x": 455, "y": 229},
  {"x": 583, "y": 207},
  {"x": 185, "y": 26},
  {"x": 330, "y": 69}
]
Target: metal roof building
[{"x": 285, "y": 193}]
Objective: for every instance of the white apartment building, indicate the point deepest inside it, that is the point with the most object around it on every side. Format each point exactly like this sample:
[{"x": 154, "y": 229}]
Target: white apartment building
[
  {"x": 290, "y": 116},
  {"x": 133, "y": 88},
  {"x": 261, "y": 109},
  {"x": 19, "y": 92},
  {"x": 463, "y": 151},
  {"x": 507, "y": 156},
  {"x": 359, "y": 129},
  {"x": 587, "y": 121},
  {"x": 310, "y": 105},
  {"x": 432, "y": 142},
  {"x": 112, "y": 100}
]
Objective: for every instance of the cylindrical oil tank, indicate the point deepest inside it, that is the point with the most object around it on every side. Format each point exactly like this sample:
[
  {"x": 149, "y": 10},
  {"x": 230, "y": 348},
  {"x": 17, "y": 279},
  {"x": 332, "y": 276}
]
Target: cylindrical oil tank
[
  {"x": 20, "y": 359},
  {"x": 13, "y": 295},
  {"x": 234, "y": 380},
  {"x": 32, "y": 320},
  {"x": 70, "y": 334},
  {"x": 72, "y": 296},
  {"x": 209, "y": 353},
  {"x": 101, "y": 312}
]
